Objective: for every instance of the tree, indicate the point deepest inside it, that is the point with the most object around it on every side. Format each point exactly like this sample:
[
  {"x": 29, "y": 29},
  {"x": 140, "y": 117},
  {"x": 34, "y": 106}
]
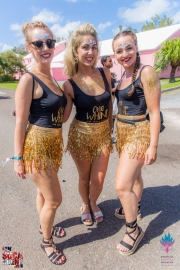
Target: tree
[
  {"x": 12, "y": 62},
  {"x": 157, "y": 22},
  {"x": 20, "y": 50},
  {"x": 168, "y": 54},
  {"x": 128, "y": 28},
  {"x": 3, "y": 65}
]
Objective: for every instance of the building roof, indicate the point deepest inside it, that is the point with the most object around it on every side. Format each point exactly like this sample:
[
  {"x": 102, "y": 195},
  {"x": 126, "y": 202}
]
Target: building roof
[{"x": 147, "y": 40}]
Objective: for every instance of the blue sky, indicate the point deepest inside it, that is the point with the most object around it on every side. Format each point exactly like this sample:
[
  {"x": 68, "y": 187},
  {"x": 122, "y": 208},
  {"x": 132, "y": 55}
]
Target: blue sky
[{"x": 66, "y": 15}]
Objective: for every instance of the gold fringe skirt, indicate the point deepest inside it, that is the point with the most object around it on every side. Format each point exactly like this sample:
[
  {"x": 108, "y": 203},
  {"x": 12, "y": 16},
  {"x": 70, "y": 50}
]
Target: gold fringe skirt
[
  {"x": 135, "y": 137},
  {"x": 86, "y": 140},
  {"x": 42, "y": 146}
]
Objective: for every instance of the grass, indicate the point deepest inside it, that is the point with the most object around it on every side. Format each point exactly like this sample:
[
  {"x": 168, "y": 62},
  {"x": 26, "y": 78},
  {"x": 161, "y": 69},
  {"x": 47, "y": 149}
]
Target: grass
[
  {"x": 9, "y": 85},
  {"x": 166, "y": 85}
]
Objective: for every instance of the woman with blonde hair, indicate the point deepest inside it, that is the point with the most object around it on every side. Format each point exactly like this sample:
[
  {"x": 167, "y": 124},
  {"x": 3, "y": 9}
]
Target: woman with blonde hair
[
  {"x": 38, "y": 149},
  {"x": 89, "y": 139},
  {"x": 137, "y": 139}
]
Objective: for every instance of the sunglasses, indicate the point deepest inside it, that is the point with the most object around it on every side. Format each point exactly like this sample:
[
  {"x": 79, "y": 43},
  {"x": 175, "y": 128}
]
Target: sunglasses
[{"x": 50, "y": 43}]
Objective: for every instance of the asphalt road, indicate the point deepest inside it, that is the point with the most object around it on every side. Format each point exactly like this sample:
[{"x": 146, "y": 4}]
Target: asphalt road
[{"x": 94, "y": 247}]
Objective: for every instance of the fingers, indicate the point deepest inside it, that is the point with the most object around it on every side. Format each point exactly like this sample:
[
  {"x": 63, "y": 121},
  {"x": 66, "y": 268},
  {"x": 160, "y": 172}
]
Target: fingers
[{"x": 21, "y": 175}]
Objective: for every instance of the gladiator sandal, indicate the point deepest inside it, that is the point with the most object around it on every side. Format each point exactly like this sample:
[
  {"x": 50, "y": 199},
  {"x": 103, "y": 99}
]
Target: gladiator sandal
[
  {"x": 119, "y": 214},
  {"x": 56, "y": 231},
  {"x": 56, "y": 255},
  {"x": 131, "y": 248}
]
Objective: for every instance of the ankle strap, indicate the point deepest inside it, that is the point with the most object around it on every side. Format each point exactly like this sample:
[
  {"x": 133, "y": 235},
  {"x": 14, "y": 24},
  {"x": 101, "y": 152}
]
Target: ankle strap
[
  {"x": 85, "y": 205},
  {"x": 132, "y": 225}
]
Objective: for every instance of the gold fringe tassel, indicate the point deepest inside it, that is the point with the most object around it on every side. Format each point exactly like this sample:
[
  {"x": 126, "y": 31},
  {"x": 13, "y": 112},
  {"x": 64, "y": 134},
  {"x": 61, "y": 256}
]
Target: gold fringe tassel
[
  {"x": 135, "y": 137},
  {"x": 86, "y": 140},
  {"x": 42, "y": 146}
]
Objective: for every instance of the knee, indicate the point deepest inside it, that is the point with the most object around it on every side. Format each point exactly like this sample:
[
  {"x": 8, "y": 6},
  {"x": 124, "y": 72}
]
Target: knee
[
  {"x": 84, "y": 181},
  {"x": 55, "y": 204},
  {"x": 97, "y": 184}
]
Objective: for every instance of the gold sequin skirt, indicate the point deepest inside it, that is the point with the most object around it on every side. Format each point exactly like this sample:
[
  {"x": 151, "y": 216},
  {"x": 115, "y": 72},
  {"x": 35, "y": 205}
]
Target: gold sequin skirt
[
  {"x": 135, "y": 137},
  {"x": 87, "y": 140},
  {"x": 42, "y": 145}
]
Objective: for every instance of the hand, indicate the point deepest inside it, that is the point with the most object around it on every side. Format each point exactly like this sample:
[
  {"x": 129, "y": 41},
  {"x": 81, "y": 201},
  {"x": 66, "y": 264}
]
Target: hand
[
  {"x": 150, "y": 155},
  {"x": 19, "y": 168}
]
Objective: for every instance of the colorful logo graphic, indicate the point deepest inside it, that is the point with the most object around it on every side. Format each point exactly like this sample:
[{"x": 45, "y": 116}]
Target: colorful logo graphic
[
  {"x": 9, "y": 257},
  {"x": 167, "y": 241}
]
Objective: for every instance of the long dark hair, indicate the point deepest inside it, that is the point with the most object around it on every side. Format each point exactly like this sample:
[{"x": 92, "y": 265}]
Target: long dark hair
[{"x": 138, "y": 60}]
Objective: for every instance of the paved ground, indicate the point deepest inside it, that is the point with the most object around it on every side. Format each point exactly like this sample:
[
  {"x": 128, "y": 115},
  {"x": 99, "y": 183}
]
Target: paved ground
[{"x": 94, "y": 248}]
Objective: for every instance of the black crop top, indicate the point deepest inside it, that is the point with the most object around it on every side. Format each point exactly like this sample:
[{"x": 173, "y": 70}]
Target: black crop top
[
  {"x": 47, "y": 111},
  {"x": 131, "y": 105},
  {"x": 91, "y": 109}
]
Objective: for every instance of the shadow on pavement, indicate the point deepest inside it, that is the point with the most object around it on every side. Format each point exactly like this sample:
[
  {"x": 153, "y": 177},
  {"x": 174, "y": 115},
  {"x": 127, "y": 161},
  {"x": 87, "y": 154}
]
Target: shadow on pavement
[
  {"x": 110, "y": 226},
  {"x": 5, "y": 97},
  {"x": 164, "y": 200}
]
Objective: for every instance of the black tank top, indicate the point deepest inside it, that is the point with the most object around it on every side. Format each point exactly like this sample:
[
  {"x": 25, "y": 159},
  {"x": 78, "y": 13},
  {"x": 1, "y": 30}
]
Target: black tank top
[
  {"x": 91, "y": 109},
  {"x": 47, "y": 111},
  {"x": 132, "y": 105}
]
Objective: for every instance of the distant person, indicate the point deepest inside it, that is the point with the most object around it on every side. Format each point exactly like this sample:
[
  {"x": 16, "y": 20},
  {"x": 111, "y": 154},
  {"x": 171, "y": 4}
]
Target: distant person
[
  {"x": 89, "y": 139},
  {"x": 38, "y": 148},
  {"x": 107, "y": 62},
  {"x": 137, "y": 139}
]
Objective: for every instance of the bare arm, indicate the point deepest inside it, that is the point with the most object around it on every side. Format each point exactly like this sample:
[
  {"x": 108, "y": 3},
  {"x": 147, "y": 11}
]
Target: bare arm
[
  {"x": 68, "y": 91},
  {"x": 152, "y": 91},
  {"x": 23, "y": 98},
  {"x": 108, "y": 76}
]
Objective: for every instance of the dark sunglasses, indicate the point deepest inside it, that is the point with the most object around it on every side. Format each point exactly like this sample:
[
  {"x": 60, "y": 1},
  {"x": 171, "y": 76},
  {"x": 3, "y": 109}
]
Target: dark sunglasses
[{"x": 39, "y": 44}]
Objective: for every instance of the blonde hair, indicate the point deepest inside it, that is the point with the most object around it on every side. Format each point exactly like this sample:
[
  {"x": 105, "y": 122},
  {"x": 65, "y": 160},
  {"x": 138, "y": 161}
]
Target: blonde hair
[
  {"x": 70, "y": 57},
  {"x": 27, "y": 27},
  {"x": 138, "y": 60}
]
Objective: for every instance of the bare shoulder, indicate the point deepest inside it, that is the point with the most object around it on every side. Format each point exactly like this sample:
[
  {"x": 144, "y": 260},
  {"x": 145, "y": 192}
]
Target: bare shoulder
[
  {"x": 107, "y": 72},
  {"x": 148, "y": 72},
  {"x": 26, "y": 79},
  {"x": 67, "y": 88},
  {"x": 150, "y": 80}
]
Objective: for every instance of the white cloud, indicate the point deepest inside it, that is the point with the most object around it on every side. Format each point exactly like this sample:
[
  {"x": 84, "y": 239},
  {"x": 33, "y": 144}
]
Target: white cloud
[
  {"x": 144, "y": 9},
  {"x": 6, "y": 47},
  {"x": 47, "y": 16},
  {"x": 15, "y": 27},
  {"x": 102, "y": 26},
  {"x": 176, "y": 17},
  {"x": 63, "y": 31}
]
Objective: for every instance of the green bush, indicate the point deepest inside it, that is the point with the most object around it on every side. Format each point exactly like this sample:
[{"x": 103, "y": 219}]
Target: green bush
[{"x": 7, "y": 77}]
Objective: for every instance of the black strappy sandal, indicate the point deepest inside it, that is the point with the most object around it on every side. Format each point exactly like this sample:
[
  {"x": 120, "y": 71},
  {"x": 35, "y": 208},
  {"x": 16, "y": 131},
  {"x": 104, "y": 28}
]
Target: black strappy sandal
[
  {"x": 131, "y": 249},
  {"x": 56, "y": 231},
  {"x": 119, "y": 214},
  {"x": 56, "y": 255}
]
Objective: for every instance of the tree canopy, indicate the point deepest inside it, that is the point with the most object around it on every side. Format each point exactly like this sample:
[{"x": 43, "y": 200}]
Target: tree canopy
[
  {"x": 157, "y": 22},
  {"x": 128, "y": 28},
  {"x": 10, "y": 62},
  {"x": 168, "y": 54}
]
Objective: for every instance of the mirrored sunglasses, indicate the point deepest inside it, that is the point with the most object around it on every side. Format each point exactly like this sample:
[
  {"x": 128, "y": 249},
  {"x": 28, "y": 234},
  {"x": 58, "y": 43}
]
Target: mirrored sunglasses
[{"x": 50, "y": 43}]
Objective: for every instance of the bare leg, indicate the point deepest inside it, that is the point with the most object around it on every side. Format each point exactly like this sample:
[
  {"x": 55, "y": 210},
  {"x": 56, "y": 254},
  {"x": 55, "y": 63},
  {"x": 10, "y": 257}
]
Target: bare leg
[
  {"x": 39, "y": 201},
  {"x": 84, "y": 168},
  {"x": 48, "y": 185},
  {"x": 127, "y": 172},
  {"x": 98, "y": 172}
]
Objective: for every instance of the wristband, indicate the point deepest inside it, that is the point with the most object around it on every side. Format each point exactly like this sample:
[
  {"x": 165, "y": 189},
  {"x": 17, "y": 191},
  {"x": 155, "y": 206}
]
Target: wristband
[{"x": 15, "y": 158}]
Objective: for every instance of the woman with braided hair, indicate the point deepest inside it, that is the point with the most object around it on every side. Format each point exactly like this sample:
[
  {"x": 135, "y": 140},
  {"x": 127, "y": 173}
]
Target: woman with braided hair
[{"x": 137, "y": 139}]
